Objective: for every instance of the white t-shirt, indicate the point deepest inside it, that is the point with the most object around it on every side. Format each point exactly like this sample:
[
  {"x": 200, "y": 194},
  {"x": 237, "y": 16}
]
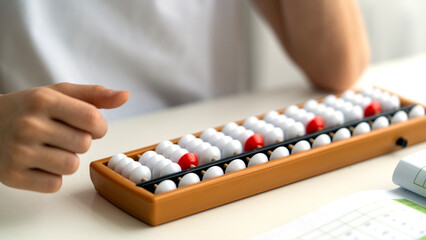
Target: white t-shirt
[{"x": 164, "y": 52}]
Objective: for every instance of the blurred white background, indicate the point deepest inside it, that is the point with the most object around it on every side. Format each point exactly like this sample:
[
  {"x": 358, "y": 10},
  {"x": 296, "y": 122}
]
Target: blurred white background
[{"x": 395, "y": 28}]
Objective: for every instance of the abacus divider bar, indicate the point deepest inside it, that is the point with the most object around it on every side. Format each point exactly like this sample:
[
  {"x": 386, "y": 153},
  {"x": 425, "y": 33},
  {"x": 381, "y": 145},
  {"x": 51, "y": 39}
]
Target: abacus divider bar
[{"x": 149, "y": 185}]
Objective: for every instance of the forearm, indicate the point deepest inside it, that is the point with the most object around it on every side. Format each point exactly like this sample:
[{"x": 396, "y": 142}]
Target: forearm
[{"x": 326, "y": 38}]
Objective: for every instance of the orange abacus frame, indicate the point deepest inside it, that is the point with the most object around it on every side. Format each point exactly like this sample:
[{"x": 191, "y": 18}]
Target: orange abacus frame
[{"x": 161, "y": 208}]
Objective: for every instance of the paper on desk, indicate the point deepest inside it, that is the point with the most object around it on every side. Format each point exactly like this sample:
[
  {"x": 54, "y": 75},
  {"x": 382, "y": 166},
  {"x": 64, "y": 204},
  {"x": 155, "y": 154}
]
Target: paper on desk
[
  {"x": 377, "y": 214},
  {"x": 410, "y": 173}
]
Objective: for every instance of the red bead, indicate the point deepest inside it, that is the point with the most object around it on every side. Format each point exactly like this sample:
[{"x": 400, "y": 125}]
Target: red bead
[
  {"x": 372, "y": 109},
  {"x": 315, "y": 125},
  {"x": 188, "y": 160},
  {"x": 253, "y": 142}
]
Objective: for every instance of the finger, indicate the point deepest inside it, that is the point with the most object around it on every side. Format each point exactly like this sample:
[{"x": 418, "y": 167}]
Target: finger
[
  {"x": 96, "y": 95},
  {"x": 55, "y": 161},
  {"x": 38, "y": 180},
  {"x": 77, "y": 114},
  {"x": 63, "y": 136}
]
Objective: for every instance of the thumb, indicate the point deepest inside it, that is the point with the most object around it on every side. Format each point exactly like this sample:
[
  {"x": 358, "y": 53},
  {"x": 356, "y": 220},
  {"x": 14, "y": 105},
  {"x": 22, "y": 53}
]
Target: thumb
[{"x": 97, "y": 95}]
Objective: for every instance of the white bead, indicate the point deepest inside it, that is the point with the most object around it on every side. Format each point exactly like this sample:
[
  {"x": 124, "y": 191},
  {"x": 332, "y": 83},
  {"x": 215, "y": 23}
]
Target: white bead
[
  {"x": 334, "y": 118},
  {"x": 301, "y": 146},
  {"x": 286, "y": 123},
  {"x": 367, "y": 91},
  {"x": 209, "y": 154},
  {"x": 296, "y": 130},
  {"x": 139, "y": 173},
  {"x": 193, "y": 144},
  {"x": 416, "y": 111},
  {"x": 310, "y": 105},
  {"x": 158, "y": 167},
  {"x": 358, "y": 99},
  {"x": 115, "y": 159},
  {"x": 348, "y": 95},
  {"x": 300, "y": 114},
  {"x": 231, "y": 148},
  {"x": 200, "y": 148},
  {"x": 229, "y": 127},
  {"x": 279, "y": 152},
  {"x": 216, "y": 138},
  {"x": 275, "y": 135},
  {"x": 258, "y": 158},
  {"x": 291, "y": 111},
  {"x": 129, "y": 168},
  {"x": 330, "y": 100},
  {"x": 258, "y": 125},
  {"x": 244, "y": 136},
  {"x": 162, "y": 146},
  {"x": 170, "y": 150},
  {"x": 237, "y": 131},
  {"x": 178, "y": 154},
  {"x": 307, "y": 118},
  {"x": 265, "y": 129},
  {"x": 395, "y": 103},
  {"x": 213, "y": 172},
  {"x": 185, "y": 140},
  {"x": 377, "y": 93},
  {"x": 277, "y": 121},
  {"x": 169, "y": 169},
  {"x": 365, "y": 102},
  {"x": 339, "y": 104},
  {"x": 165, "y": 186},
  {"x": 249, "y": 122},
  {"x": 361, "y": 128},
  {"x": 223, "y": 141},
  {"x": 208, "y": 133},
  {"x": 121, "y": 164},
  {"x": 188, "y": 179},
  {"x": 320, "y": 110},
  {"x": 380, "y": 122},
  {"x": 321, "y": 140},
  {"x": 399, "y": 116},
  {"x": 341, "y": 134},
  {"x": 145, "y": 156},
  {"x": 235, "y": 165},
  {"x": 271, "y": 116},
  {"x": 150, "y": 163}
]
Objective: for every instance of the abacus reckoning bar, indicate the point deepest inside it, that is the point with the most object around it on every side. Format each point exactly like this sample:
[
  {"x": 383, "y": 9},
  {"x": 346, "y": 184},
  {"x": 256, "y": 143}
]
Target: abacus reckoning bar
[
  {"x": 139, "y": 200},
  {"x": 149, "y": 185}
]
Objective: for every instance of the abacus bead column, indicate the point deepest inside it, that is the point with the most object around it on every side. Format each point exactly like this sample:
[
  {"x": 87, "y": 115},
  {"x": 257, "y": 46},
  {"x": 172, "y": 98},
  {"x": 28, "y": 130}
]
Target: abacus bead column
[
  {"x": 380, "y": 122},
  {"x": 188, "y": 179},
  {"x": 165, "y": 186},
  {"x": 146, "y": 156},
  {"x": 301, "y": 146},
  {"x": 121, "y": 164},
  {"x": 209, "y": 154},
  {"x": 183, "y": 142},
  {"x": 296, "y": 130},
  {"x": 231, "y": 148},
  {"x": 273, "y": 136},
  {"x": 399, "y": 116},
  {"x": 140, "y": 173},
  {"x": 341, "y": 134},
  {"x": 253, "y": 142},
  {"x": 258, "y": 158},
  {"x": 129, "y": 168},
  {"x": 161, "y": 147},
  {"x": 213, "y": 172},
  {"x": 235, "y": 165},
  {"x": 156, "y": 170},
  {"x": 187, "y": 161},
  {"x": 279, "y": 152},
  {"x": 321, "y": 140},
  {"x": 115, "y": 159},
  {"x": 170, "y": 168},
  {"x": 416, "y": 111},
  {"x": 361, "y": 128}
]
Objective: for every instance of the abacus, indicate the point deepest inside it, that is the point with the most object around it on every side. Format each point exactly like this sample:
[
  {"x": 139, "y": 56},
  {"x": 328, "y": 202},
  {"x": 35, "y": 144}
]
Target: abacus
[{"x": 176, "y": 178}]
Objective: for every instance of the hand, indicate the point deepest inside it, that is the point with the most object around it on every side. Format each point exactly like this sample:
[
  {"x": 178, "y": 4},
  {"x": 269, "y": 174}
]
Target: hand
[{"x": 42, "y": 129}]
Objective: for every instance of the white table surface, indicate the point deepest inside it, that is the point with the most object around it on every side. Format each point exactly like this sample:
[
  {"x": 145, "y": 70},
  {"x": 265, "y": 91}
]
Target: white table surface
[{"x": 78, "y": 211}]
